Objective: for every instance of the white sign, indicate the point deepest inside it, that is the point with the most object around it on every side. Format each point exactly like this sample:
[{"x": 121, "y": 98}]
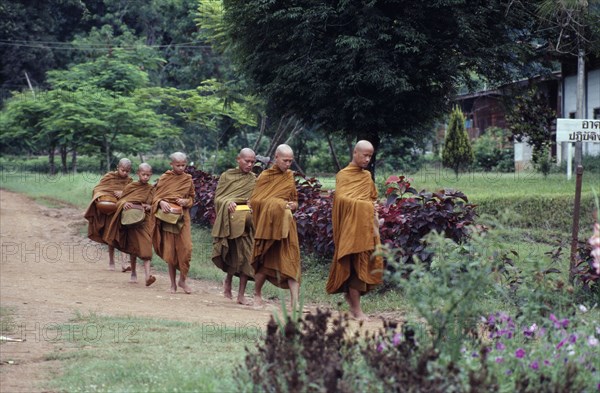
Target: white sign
[{"x": 577, "y": 130}]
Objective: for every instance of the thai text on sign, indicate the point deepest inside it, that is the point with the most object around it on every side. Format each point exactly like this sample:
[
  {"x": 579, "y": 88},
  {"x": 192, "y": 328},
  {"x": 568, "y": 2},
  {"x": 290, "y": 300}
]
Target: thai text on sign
[{"x": 577, "y": 130}]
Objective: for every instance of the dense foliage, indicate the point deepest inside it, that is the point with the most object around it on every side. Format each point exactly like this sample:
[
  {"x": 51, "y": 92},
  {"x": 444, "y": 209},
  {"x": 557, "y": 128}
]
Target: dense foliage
[
  {"x": 351, "y": 65},
  {"x": 494, "y": 151},
  {"x": 531, "y": 120},
  {"x": 457, "y": 153}
]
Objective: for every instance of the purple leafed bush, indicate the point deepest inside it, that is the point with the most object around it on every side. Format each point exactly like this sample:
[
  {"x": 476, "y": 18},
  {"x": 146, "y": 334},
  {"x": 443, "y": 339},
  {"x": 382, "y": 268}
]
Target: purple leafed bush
[
  {"x": 405, "y": 221},
  {"x": 203, "y": 210}
]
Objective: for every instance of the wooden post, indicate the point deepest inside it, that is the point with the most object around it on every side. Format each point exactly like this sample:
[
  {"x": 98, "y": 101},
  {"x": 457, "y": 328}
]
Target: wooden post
[{"x": 575, "y": 231}]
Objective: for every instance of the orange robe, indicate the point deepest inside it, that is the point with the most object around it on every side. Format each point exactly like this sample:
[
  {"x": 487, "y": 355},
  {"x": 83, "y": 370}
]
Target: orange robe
[
  {"x": 174, "y": 248},
  {"x": 233, "y": 233},
  {"x": 355, "y": 233},
  {"x": 97, "y": 222},
  {"x": 276, "y": 250},
  {"x": 133, "y": 239}
]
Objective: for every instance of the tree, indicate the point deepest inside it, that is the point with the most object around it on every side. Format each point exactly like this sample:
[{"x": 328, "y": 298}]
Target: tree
[
  {"x": 457, "y": 153},
  {"x": 370, "y": 68},
  {"x": 530, "y": 120}
]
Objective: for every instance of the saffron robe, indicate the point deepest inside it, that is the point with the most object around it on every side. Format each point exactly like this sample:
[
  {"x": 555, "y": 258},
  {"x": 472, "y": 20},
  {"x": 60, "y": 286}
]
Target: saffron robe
[
  {"x": 174, "y": 248},
  {"x": 132, "y": 239},
  {"x": 97, "y": 221},
  {"x": 233, "y": 233},
  {"x": 355, "y": 233},
  {"x": 276, "y": 249}
]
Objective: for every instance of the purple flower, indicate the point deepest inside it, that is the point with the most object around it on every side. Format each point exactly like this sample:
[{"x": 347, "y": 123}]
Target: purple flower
[
  {"x": 520, "y": 353},
  {"x": 500, "y": 346},
  {"x": 573, "y": 338},
  {"x": 534, "y": 365},
  {"x": 547, "y": 362},
  {"x": 592, "y": 341},
  {"x": 397, "y": 338},
  {"x": 499, "y": 359},
  {"x": 381, "y": 347},
  {"x": 561, "y": 343},
  {"x": 564, "y": 323},
  {"x": 530, "y": 331}
]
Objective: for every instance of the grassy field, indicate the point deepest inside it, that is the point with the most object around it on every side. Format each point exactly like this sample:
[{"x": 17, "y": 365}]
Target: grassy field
[{"x": 185, "y": 366}]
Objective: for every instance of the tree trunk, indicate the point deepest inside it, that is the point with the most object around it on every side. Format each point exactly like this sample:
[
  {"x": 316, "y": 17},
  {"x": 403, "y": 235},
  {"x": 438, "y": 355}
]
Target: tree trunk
[
  {"x": 331, "y": 149},
  {"x": 63, "y": 158},
  {"x": 52, "y": 167},
  {"x": 107, "y": 156},
  {"x": 74, "y": 160},
  {"x": 263, "y": 125}
]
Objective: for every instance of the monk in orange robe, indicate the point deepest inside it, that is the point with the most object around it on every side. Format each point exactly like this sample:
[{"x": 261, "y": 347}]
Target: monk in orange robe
[
  {"x": 110, "y": 185},
  {"x": 136, "y": 239},
  {"x": 354, "y": 269},
  {"x": 172, "y": 241},
  {"x": 276, "y": 255},
  {"x": 233, "y": 230}
]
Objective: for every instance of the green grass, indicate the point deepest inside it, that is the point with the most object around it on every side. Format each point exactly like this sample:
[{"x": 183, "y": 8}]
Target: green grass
[{"x": 105, "y": 354}]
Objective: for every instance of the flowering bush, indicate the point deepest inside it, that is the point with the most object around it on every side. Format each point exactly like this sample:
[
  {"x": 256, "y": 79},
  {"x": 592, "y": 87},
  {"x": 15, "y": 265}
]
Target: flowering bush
[{"x": 542, "y": 352}]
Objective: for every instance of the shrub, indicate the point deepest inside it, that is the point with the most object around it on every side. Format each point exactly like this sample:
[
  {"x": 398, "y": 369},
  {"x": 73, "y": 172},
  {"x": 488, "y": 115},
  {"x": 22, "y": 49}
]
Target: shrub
[
  {"x": 493, "y": 151},
  {"x": 203, "y": 210},
  {"x": 406, "y": 221}
]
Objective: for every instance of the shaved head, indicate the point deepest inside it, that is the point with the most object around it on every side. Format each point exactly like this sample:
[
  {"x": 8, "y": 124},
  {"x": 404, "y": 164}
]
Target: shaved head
[
  {"x": 178, "y": 156},
  {"x": 144, "y": 167},
  {"x": 246, "y": 152},
  {"x": 284, "y": 149},
  {"x": 363, "y": 151},
  {"x": 363, "y": 144},
  {"x": 125, "y": 163},
  {"x": 284, "y": 156},
  {"x": 246, "y": 159}
]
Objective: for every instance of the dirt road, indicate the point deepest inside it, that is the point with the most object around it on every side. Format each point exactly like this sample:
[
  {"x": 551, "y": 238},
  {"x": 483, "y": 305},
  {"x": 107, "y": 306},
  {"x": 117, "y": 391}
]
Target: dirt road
[{"x": 49, "y": 273}]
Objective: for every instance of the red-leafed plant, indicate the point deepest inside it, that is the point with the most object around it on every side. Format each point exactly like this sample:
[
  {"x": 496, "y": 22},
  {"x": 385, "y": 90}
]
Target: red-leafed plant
[
  {"x": 313, "y": 217},
  {"x": 203, "y": 210},
  {"x": 406, "y": 221}
]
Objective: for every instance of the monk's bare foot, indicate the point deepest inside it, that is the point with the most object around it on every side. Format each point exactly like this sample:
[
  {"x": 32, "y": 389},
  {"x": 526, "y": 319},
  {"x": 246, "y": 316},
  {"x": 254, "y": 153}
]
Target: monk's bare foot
[
  {"x": 111, "y": 267},
  {"x": 173, "y": 289},
  {"x": 258, "y": 302},
  {"x": 125, "y": 268},
  {"x": 360, "y": 316},
  {"x": 242, "y": 300},
  {"x": 183, "y": 285},
  {"x": 227, "y": 289},
  {"x": 133, "y": 278},
  {"x": 150, "y": 281}
]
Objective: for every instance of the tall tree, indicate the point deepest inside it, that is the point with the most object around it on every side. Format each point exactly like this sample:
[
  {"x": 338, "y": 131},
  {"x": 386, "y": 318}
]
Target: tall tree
[
  {"x": 373, "y": 67},
  {"x": 457, "y": 153},
  {"x": 576, "y": 33}
]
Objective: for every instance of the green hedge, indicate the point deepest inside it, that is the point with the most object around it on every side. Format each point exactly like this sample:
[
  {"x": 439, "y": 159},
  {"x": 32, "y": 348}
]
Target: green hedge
[{"x": 543, "y": 212}]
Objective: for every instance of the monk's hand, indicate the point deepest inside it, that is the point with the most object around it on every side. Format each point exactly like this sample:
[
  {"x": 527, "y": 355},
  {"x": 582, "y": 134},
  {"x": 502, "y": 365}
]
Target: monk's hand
[
  {"x": 231, "y": 207},
  {"x": 182, "y": 202},
  {"x": 164, "y": 205},
  {"x": 146, "y": 207},
  {"x": 127, "y": 206},
  {"x": 118, "y": 194},
  {"x": 291, "y": 205}
]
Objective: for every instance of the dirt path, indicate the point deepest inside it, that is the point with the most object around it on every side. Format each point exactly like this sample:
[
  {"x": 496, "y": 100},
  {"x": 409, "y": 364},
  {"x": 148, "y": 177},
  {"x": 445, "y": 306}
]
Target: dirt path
[{"x": 49, "y": 273}]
